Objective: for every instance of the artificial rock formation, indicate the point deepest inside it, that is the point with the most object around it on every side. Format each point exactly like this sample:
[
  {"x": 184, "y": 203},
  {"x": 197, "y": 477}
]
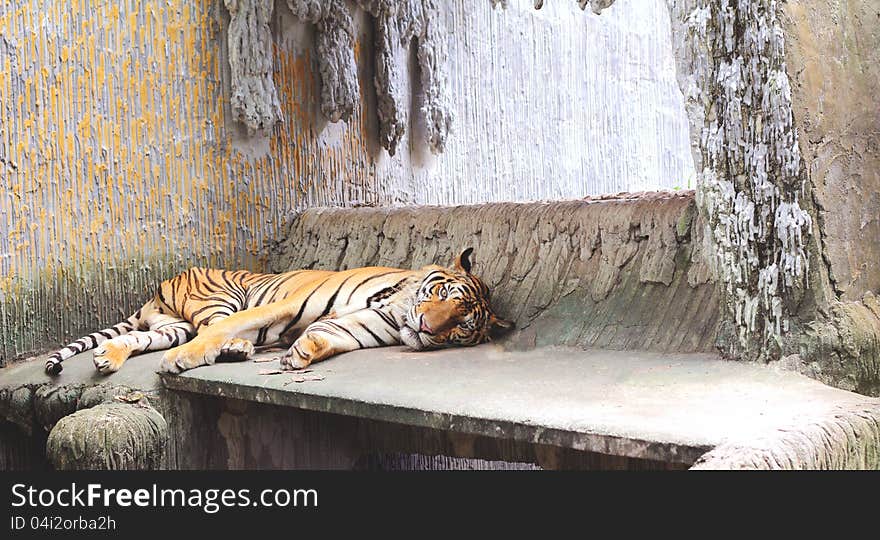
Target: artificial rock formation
[
  {"x": 109, "y": 436},
  {"x": 397, "y": 23},
  {"x": 786, "y": 178},
  {"x": 254, "y": 96},
  {"x": 849, "y": 440},
  {"x": 833, "y": 57},
  {"x": 751, "y": 185},
  {"x": 596, "y": 5},
  {"x": 335, "y": 45}
]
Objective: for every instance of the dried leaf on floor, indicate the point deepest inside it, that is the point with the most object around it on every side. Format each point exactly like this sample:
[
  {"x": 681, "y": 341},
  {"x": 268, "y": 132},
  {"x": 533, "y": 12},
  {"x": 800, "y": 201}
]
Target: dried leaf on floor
[
  {"x": 131, "y": 397},
  {"x": 305, "y": 378}
]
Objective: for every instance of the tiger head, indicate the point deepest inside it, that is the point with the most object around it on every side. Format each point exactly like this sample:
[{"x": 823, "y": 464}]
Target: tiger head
[{"x": 451, "y": 308}]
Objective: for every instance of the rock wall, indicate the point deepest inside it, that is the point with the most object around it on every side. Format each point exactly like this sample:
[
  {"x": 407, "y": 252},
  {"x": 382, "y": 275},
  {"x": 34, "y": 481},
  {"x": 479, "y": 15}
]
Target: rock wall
[
  {"x": 784, "y": 131},
  {"x": 833, "y": 58},
  {"x": 609, "y": 272}
]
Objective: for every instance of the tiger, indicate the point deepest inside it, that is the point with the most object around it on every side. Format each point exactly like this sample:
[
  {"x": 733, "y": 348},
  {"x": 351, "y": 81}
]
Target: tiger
[{"x": 203, "y": 315}]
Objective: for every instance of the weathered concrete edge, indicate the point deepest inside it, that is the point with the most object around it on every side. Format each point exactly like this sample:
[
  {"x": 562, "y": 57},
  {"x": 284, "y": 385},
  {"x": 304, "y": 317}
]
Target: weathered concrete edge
[
  {"x": 847, "y": 440},
  {"x": 33, "y": 405},
  {"x": 672, "y": 452}
]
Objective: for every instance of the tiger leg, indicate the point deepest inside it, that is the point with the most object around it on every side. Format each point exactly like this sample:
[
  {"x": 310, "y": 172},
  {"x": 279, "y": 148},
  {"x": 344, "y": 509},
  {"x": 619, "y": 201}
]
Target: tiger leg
[
  {"x": 165, "y": 331},
  {"x": 322, "y": 339},
  {"x": 235, "y": 333}
]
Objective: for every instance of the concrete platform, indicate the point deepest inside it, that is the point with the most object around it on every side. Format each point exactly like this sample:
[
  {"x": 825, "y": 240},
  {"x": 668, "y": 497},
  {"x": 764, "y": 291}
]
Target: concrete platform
[
  {"x": 658, "y": 406},
  {"x": 666, "y": 407}
]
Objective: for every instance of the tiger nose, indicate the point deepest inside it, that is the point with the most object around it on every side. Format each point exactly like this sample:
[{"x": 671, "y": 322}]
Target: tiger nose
[{"x": 423, "y": 326}]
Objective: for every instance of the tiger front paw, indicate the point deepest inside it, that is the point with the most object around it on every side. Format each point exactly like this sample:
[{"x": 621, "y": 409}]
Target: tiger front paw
[
  {"x": 236, "y": 350},
  {"x": 305, "y": 350},
  {"x": 110, "y": 356},
  {"x": 200, "y": 352},
  {"x": 410, "y": 338}
]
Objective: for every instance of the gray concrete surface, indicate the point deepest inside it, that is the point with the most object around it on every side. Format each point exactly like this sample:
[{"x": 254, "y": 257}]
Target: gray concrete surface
[
  {"x": 670, "y": 407},
  {"x": 80, "y": 371}
]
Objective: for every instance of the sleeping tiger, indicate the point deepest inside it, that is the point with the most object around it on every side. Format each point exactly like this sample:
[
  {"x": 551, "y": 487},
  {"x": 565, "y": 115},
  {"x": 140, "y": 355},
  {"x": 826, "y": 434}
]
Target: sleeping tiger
[{"x": 202, "y": 315}]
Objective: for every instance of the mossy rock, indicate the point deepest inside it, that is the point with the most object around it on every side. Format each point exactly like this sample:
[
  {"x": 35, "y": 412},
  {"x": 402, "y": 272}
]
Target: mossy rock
[{"x": 110, "y": 436}]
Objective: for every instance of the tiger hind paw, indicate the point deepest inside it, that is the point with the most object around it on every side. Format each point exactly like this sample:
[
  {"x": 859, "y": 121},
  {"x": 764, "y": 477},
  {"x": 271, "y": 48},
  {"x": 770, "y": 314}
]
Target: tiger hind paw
[{"x": 110, "y": 356}]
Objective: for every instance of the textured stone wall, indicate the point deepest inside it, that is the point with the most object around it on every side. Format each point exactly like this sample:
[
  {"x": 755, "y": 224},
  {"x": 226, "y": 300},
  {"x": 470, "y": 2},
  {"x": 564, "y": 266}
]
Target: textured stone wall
[
  {"x": 833, "y": 57},
  {"x": 615, "y": 272}
]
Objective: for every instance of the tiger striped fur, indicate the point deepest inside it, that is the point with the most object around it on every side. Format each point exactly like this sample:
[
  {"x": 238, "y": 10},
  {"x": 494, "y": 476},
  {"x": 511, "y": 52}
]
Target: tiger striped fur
[{"x": 203, "y": 314}]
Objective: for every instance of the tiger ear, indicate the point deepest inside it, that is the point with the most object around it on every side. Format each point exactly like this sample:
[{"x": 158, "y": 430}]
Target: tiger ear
[
  {"x": 499, "y": 326},
  {"x": 463, "y": 261}
]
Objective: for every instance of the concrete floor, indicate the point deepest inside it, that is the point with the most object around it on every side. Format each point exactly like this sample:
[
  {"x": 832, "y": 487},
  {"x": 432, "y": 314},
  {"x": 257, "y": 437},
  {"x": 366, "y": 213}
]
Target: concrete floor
[{"x": 669, "y": 407}]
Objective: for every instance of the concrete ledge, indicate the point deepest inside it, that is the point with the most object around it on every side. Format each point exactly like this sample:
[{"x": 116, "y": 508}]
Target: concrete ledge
[
  {"x": 664, "y": 407},
  {"x": 848, "y": 440}
]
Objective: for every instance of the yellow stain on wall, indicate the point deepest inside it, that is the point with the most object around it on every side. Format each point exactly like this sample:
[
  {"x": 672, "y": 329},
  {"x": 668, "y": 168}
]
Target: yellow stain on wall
[{"x": 119, "y": 150}]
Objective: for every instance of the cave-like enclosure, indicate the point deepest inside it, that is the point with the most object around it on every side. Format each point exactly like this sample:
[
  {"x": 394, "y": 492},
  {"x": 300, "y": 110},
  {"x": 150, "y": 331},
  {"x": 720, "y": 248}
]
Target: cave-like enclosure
[{"x": 651, "y": 188}]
